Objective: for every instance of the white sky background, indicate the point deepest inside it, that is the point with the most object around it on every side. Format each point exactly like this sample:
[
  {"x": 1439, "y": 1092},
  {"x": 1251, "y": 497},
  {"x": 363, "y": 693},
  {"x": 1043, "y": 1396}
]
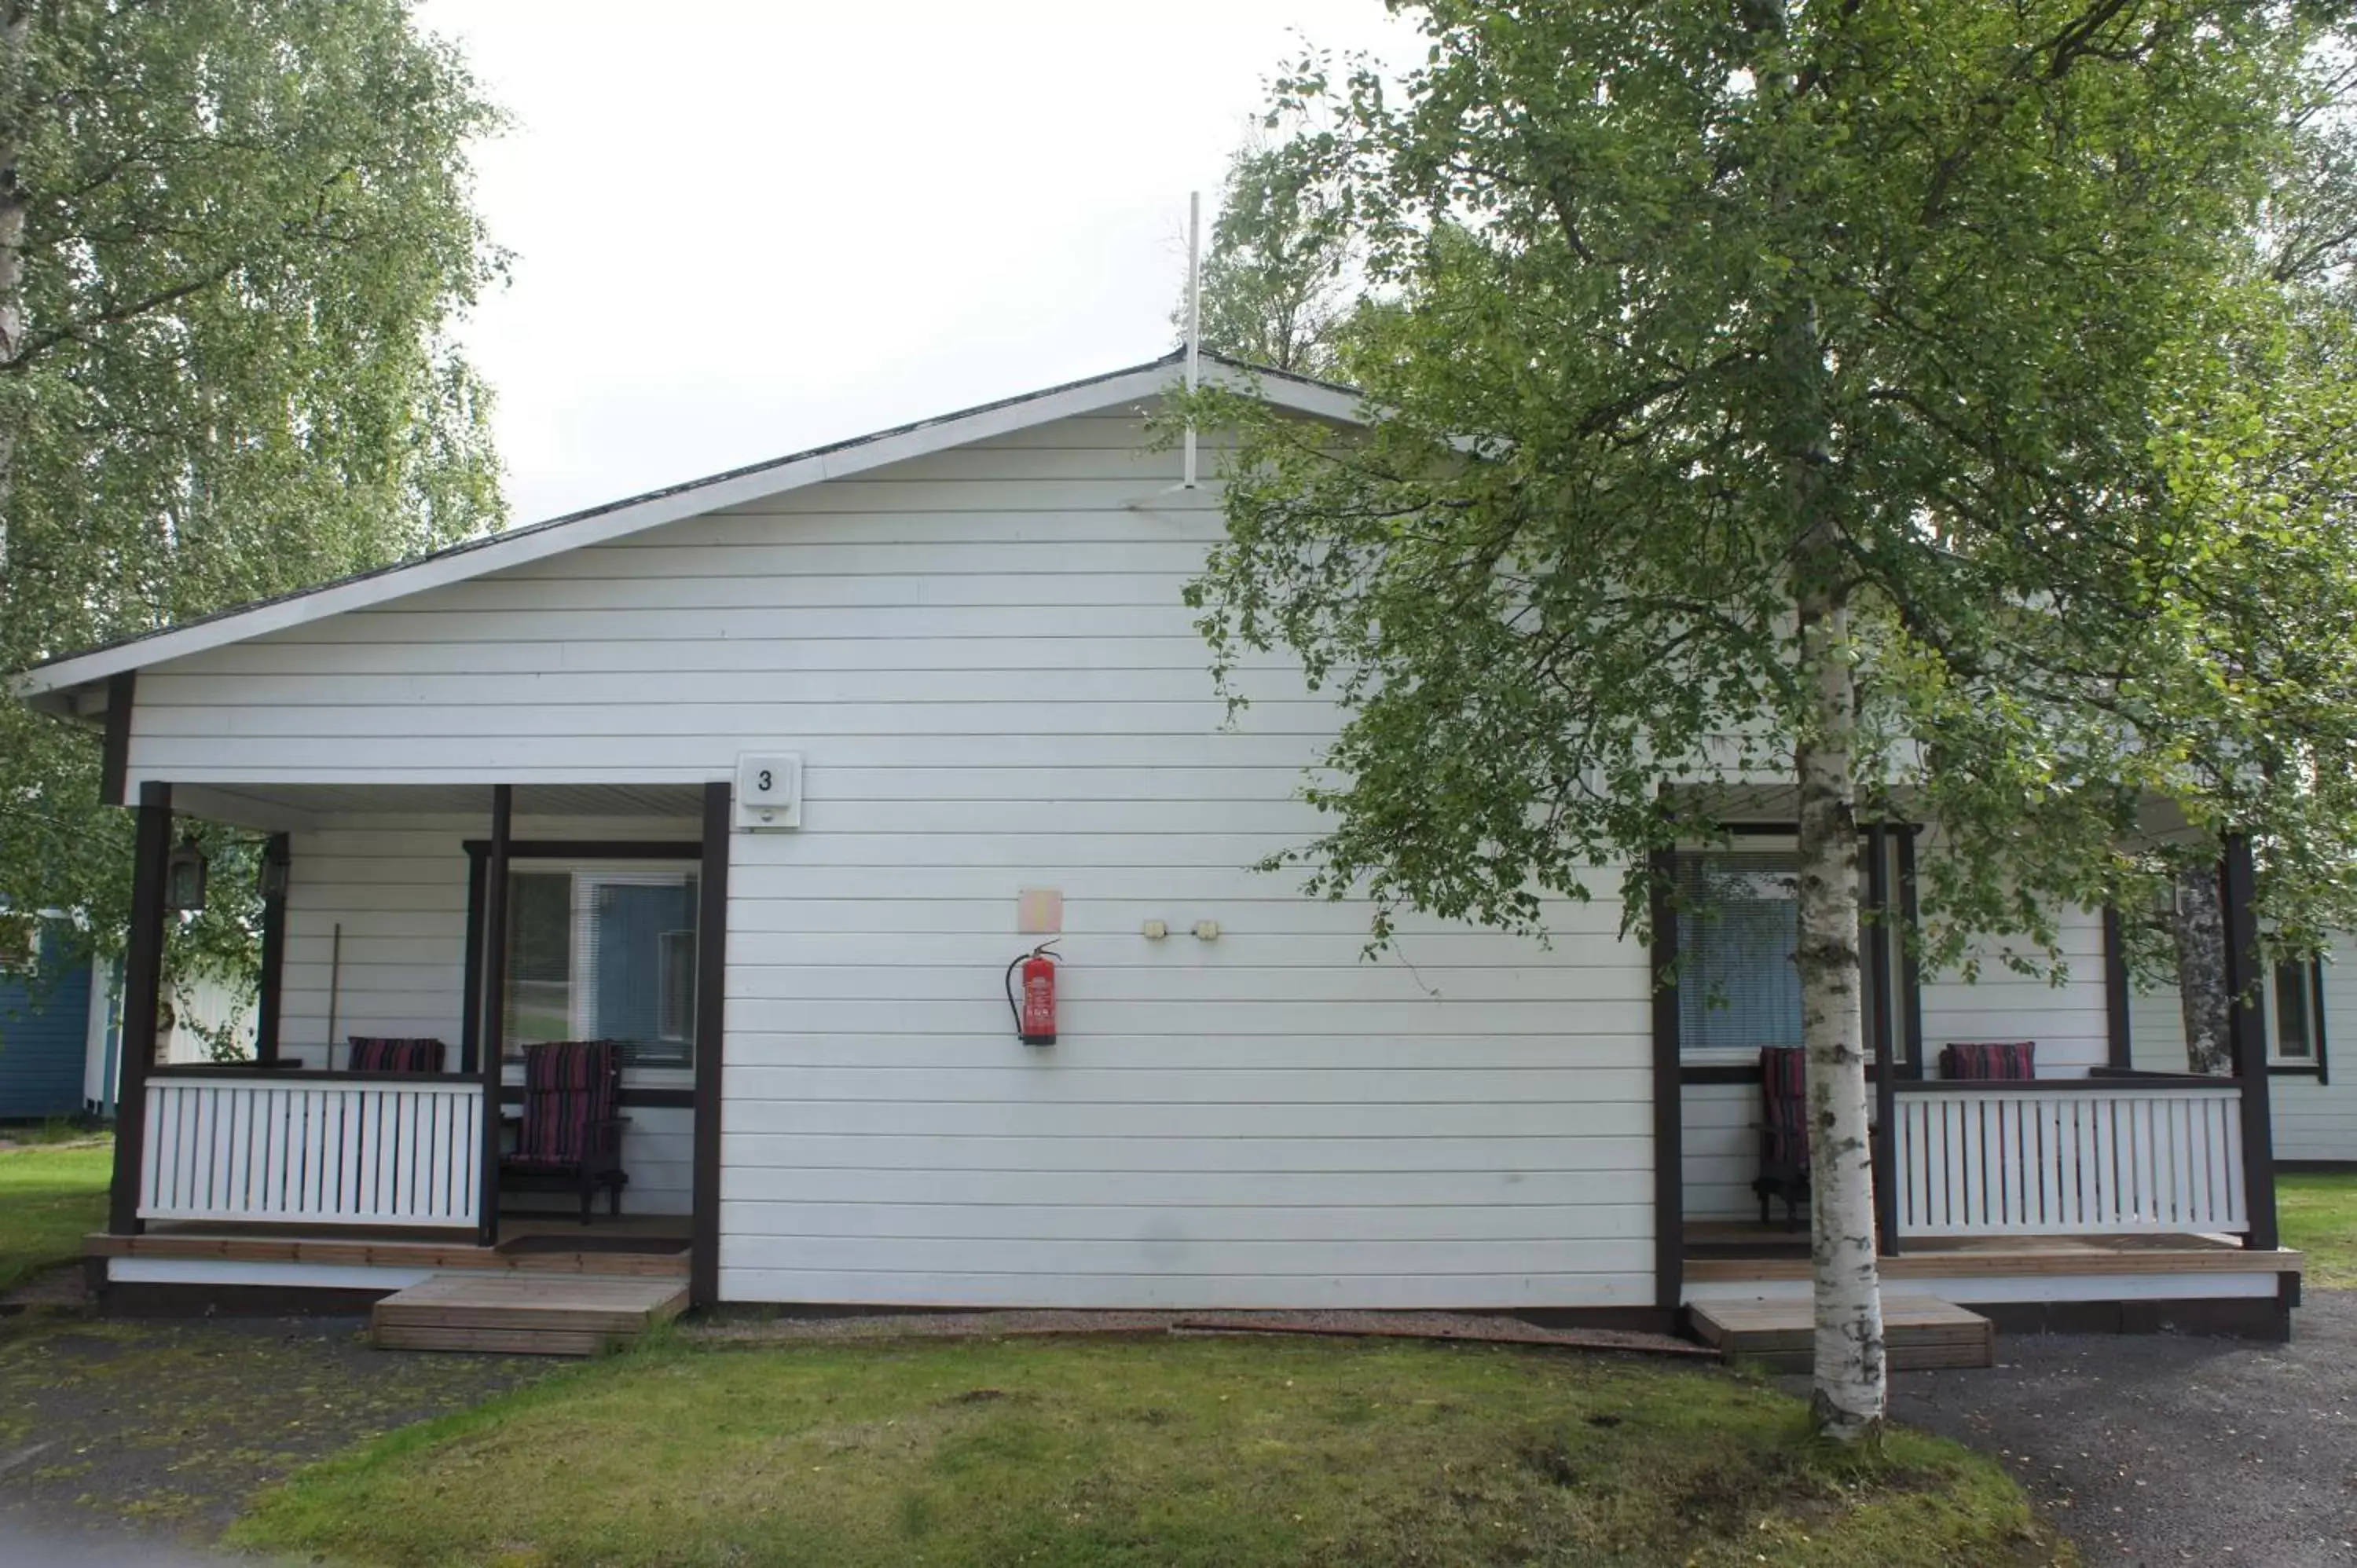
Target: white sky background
[{"x": 743, "y": 229}]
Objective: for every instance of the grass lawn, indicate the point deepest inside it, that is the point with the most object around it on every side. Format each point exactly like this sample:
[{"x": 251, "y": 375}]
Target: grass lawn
[
  {"x": 2318, "y": 1216},
  {"x": 1095, "y": 1452},
  {"x": 51, "y": 1195}
]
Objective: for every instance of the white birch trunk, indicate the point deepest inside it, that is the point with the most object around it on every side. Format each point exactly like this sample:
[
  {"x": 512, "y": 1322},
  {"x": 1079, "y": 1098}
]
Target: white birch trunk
[
  {"x": 2199, "y": 927},
  {"x": 1852, "y": 1389}
]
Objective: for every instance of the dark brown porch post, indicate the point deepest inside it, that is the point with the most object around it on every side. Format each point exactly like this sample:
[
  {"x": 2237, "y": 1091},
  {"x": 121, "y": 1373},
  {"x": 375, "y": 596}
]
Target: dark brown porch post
[
  {"x": 2120, "y": 1051},
  {"x": 711, "y": 1031},
  {"x": 1669, "y": 1103},
  {"x": 492, "y": 1033},
  {"x": 2246, "y": 1027},
  {"x": 143, "y": 982},
  {"x": 1884, "y": 1149},
  {"x": 268, "y": 1008}
]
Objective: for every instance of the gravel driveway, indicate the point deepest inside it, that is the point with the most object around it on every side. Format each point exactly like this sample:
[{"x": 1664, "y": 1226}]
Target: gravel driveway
[
  {"x": 2163, "y": 1449},
  {"x": 129, "y": 1442}
]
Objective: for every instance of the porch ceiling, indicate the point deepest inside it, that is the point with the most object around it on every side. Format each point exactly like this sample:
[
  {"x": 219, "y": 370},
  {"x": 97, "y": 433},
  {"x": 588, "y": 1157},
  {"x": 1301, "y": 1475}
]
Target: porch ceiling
[{"x": 285, "y": 807}]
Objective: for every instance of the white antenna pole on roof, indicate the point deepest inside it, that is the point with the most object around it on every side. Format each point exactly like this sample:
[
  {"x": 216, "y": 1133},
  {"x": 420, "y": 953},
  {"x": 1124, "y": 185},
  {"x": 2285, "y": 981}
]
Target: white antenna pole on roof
[{"x": 1194, "y": 318}]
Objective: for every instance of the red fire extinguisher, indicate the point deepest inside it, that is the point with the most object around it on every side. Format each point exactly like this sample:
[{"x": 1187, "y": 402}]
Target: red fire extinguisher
[{"x": 1035, "y": 1014}]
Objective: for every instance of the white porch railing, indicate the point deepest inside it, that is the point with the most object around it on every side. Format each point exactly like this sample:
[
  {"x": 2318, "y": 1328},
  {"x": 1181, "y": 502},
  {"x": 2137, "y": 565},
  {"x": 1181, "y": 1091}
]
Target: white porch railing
[
  {"x": 286, "y": 1147},
  {"x": 2074, "y": 1157}
]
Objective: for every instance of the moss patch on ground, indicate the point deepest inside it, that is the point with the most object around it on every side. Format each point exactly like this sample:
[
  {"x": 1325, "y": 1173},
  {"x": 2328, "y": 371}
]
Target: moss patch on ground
[
  {"x": 1102, "y": 1452},
  {"x": 2318, "y": 1216},
  {"x": 52, "y": 1195}
]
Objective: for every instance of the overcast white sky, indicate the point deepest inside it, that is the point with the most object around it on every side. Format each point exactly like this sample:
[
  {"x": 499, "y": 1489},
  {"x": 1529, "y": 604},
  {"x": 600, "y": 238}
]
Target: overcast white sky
[{"x": 742, "y": 229}]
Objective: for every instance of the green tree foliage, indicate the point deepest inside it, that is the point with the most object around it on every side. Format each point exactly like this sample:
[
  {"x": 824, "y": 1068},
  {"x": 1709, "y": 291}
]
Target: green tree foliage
[
  {"x": 1278, "y": 275},
  {"x": 1873, "y": 405},
  {"x": 234, "y": 235}
]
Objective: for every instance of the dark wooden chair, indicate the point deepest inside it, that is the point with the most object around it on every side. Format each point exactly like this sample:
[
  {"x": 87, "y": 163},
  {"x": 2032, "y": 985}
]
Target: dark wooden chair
[
  {"x": 569, "y": 1137},
  {"x": 384, "y": 1053},
  {"x": 1784, "y": 1134},
  {"x": 1989, "y": 1060}
]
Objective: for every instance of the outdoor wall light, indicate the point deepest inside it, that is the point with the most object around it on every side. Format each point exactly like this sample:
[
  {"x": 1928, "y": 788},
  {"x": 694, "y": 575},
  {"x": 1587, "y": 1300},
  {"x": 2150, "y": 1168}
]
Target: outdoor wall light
[
  {"x": 271, "y": 881},
  {"x": 184, "y": 878}
]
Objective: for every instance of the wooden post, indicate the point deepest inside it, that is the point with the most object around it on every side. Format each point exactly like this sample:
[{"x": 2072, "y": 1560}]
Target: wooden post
[
  {"x": 1910, "y": 963},
  {"x": 1669, "y": 1103},
  {"x": 711, "y": 1034},
  {"x": 470, "y": 1024},
  {"x": 268, "y": 1007},
  {"x": 143, "y": 985},
  {"x": 1885, "y": 1148},
  {"x": 2246, "y": 1029},
  {"x": 492, "y": 1033},
  {"x": 2121, "y": 1052}
]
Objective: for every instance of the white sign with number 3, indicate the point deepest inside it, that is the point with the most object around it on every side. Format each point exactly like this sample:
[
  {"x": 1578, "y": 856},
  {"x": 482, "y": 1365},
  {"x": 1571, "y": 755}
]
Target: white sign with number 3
[{"x": 769, "y": 789}]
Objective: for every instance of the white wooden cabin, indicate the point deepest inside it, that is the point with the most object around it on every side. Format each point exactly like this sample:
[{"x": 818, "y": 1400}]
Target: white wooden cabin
[{"x": 969, "y": 633}]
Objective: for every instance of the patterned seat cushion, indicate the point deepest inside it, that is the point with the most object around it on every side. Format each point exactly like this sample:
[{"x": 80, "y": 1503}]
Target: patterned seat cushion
[
  {"x": 1989, "y": 1060},
  {"x": 570, "y": 1088},
  {"x": 1783, "y": 1104},
  {"x": 378, "y": 1053}
]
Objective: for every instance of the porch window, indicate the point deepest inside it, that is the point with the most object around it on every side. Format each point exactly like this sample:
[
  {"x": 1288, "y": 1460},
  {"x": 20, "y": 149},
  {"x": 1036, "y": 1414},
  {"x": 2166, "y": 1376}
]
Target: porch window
[
  {"x": 1737, "y": 988},
  {"x": 598, "y": 953},
  {"x": 2299, "y": 989},
  {"x": 1738, "y": 926}
]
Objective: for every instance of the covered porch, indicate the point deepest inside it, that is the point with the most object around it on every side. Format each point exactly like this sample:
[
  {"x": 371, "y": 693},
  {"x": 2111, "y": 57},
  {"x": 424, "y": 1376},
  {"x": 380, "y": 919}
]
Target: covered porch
[
  {"x": 460, "y": 924},
  {"x": 2080, "y": 1193}
]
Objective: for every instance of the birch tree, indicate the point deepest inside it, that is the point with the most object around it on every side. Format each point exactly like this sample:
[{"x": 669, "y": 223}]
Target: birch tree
[
  {"x": 1777, "y": 399},
  {"x": 1276, "y": 283},
  {"x": 234, "y": 237}
]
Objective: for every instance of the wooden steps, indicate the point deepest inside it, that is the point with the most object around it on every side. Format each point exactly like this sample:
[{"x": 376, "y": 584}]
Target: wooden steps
[
  {"x": 1922, "y": 1332},
  {"x": 530, "y": 1315}
]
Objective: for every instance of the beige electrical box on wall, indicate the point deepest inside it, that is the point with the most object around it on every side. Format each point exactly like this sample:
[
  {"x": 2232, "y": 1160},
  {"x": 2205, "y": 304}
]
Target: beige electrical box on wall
[
  {"x": 769, "y": 789},
  {"x": 1039, "y": 911}
]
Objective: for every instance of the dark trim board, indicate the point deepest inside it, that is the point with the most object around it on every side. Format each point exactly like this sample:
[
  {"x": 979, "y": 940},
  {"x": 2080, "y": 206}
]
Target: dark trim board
[
  {"x": 1910, "y": 962},
  {"x": 591, "y": 849},
  {"x": 1882, "y": 1152},
  {"x": 153, "y": 1298},
  {"x": 269, "y": 1004},
  {"x": 2120, "y": 1046},
  {"x": 2246, "y": 1026},
  {"x": 470, "y": 1024},
  {"x": 2317, "y": 1167},
  {"x": 2316, "y": 1018},
  {"x": 490, "y": 1032},
  {"x": 143, "y": 985},
  {"x": 711, "y": 1034},
  {"x": 1717, "y": 1072},
  {"x": 1669, "y": 1101},
  {"x": 644, "y": 1099},
  {"x": 2264, "y": 1318},
  {"x": 114, "y": 751}
]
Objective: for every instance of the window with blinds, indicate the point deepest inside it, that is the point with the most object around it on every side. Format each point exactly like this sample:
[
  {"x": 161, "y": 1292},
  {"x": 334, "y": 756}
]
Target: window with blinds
[
  {"x": 1738, "y": 921},
  {"x": 597, "y": 953}
]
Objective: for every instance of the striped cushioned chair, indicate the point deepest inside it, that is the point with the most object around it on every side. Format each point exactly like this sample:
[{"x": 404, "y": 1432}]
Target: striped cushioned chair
[
  {"x": 1989, "y": 1058},
  {"x": 381, "y": 1053},
  {"x": 569, "y": 1136},
  {"x": 1783, "y": 1133}
]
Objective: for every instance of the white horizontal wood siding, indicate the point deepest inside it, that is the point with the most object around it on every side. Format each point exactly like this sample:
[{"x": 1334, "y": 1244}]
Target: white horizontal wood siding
[
  {"x": 1721, "y": 1152},
  {"x": 983, "y": 659},
  {"x": 2069, "y": 1021},
  {"x": 397, "y": 888}
]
